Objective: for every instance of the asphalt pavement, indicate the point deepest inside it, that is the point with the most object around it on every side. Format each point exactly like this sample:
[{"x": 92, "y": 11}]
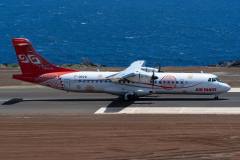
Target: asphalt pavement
[{"x": 41, "y": 100}]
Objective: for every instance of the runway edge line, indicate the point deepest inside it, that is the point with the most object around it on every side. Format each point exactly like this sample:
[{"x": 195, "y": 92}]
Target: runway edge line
[{"x": 168, "y": 110}]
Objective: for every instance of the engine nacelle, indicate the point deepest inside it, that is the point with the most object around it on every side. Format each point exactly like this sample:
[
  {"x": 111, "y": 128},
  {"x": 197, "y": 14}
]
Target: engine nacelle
[
  {"x": 132, "y": 95},
  {"x": 140, "y": 93}
]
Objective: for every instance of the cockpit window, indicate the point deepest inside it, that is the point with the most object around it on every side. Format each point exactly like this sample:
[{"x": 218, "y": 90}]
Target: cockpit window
[
  {"x": 214, "y": 79},
  {"x": 219, "y": 80}
]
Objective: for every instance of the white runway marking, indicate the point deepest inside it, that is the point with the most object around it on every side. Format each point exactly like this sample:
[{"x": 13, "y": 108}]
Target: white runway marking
[
  {"x": 235, "y": 90},
  {"x": 3, "y": 100},
  {"x": 169, "y": 110}
]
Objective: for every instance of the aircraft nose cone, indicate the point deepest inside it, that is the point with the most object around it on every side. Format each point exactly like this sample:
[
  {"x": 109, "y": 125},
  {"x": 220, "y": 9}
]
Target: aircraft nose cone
[{"x": 226, "y": 87}]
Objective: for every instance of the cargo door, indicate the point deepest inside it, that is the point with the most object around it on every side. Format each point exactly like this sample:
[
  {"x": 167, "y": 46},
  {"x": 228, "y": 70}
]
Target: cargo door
[{"x": 66, "y": 83}]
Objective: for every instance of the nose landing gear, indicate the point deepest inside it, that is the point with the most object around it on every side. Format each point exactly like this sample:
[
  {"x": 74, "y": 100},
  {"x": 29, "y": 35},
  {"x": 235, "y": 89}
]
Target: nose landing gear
[{"x": 216, "y": 97}]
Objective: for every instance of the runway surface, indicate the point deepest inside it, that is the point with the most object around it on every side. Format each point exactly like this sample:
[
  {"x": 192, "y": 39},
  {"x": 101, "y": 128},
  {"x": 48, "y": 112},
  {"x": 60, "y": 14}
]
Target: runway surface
[
  {"x": 40, "y": 100},
  {"x": 63, "y": 126}
]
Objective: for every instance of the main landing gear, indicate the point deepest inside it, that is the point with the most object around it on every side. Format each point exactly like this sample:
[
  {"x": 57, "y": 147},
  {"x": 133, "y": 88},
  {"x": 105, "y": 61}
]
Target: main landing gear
[{"x": 129, "y": 97}]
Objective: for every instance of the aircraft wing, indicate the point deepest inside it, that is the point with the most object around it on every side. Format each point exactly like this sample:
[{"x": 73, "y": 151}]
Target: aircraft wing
[{"x": 131, "y": 71}]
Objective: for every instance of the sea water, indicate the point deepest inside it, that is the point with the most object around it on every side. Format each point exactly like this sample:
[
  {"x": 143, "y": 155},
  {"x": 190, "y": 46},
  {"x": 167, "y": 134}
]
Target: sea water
[{"x": 117, "y": 32}]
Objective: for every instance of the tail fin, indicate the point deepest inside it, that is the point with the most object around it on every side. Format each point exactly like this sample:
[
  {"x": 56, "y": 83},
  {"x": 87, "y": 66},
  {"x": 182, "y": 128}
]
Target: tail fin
[{"x": 31, "y": 63}]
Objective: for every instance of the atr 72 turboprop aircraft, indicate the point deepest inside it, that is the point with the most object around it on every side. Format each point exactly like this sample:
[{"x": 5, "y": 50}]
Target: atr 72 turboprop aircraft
[{"x": 135, "y": 81}]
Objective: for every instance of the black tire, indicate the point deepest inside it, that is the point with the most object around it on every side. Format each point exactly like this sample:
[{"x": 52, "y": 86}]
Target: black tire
[
  {"x": 129, "y": 97},
  {"x": 216, "y": 98}
]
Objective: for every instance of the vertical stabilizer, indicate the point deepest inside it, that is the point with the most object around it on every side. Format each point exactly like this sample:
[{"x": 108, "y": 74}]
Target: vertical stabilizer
[{"x": 31, "y": 63}]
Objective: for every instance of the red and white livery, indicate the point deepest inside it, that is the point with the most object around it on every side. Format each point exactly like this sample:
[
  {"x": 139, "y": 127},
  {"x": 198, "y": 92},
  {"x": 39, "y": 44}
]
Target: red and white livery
[{"x": 135, "y": 81}]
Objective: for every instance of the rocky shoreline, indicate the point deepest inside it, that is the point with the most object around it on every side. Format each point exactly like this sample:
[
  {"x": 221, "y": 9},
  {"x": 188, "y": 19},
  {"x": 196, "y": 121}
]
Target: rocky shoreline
[{"x": 232, "y": 63}]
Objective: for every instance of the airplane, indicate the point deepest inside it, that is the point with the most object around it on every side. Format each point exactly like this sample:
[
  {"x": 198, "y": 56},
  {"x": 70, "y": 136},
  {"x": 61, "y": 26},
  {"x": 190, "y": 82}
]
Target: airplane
[{"x": 135, "y": 81}]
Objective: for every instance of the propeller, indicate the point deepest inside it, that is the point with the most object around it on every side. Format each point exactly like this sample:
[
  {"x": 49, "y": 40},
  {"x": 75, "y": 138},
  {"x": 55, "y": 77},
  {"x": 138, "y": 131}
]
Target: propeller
[{"x": 152, "y": 79}]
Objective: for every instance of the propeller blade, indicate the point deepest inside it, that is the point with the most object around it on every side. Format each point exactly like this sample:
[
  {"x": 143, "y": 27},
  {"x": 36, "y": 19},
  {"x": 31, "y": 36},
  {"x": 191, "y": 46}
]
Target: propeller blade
[{"x": 152, "y": 78}]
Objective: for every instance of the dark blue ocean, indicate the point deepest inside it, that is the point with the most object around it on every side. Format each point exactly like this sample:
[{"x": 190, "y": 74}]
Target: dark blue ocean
[{"x": 116, "y": 32}]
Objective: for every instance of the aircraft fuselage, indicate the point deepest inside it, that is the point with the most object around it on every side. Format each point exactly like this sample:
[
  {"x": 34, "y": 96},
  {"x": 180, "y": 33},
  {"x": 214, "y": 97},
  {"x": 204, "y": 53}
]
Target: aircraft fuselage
[{"x": 166, "y": 83}]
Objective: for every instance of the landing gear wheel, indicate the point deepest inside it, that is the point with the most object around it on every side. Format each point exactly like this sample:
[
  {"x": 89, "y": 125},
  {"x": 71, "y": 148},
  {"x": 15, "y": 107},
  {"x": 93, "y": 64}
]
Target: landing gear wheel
[
  {"x": 129, "y": 97},
  {"x": 216, "y": 98}
]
